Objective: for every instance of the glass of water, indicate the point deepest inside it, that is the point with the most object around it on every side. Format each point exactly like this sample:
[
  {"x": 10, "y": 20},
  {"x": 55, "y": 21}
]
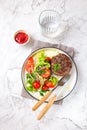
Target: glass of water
[{"x": 49, "y": 21}]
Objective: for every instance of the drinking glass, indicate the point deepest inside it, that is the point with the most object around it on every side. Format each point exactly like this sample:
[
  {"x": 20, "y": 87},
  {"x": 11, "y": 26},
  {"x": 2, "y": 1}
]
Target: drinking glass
[{"x": 49, "y": 21}]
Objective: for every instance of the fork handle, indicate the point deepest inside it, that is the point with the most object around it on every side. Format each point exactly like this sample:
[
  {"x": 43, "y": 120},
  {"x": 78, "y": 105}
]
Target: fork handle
[
  {"x": 46, "y": 108},
  {"x": 41, "y": 101}
]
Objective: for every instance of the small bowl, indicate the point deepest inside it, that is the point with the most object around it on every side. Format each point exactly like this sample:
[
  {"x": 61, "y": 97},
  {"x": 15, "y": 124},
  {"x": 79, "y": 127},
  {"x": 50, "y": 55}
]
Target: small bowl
[{"x": 22, "y": 37}]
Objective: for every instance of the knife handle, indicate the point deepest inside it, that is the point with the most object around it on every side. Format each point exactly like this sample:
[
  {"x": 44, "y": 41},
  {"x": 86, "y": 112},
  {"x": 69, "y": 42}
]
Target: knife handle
[
  {"x": 46, "y": 108},
  {"x": 41, "y": 101}
]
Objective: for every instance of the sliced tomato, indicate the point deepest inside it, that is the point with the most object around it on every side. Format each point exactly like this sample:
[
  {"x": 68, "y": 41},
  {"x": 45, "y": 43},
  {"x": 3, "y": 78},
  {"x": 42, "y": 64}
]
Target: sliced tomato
[
  {"x": 36, "y": 84},
  {"x": 48, "y": 59},
  {"x": 49, "y": 84},
  {"x": 30, "y": 60},
  {"x": 46, "y": 74},
  {"x": 29, "y": 68},
  {"x": 45, "y": 88},
  {"x": 29, "y": 65}
]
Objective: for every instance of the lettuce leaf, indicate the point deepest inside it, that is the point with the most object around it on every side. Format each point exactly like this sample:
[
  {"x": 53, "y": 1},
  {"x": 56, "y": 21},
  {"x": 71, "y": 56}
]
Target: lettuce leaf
[{"x": 53, "y": 79}]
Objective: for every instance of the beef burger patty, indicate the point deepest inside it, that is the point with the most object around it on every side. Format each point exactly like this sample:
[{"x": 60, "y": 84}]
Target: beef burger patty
[{"x": 61, "y": 64}]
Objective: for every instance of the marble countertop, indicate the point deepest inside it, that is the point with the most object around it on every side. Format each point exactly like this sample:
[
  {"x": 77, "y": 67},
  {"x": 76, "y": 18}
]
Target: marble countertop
[{"x": 15, "y": 111}]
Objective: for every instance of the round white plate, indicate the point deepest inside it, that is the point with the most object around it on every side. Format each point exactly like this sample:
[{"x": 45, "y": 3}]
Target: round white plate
[{"x": 68, "y": 86}]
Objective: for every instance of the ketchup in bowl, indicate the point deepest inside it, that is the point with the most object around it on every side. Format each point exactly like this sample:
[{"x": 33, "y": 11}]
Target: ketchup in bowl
[{"x": 22, "y": 37}]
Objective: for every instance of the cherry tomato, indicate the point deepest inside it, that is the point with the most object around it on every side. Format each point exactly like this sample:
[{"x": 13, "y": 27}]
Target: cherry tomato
[
  {"x": 45, "y": 87},
  {"x": 49, "y": 84},
  {"x": 36, "y": 84},
  {"x": 29, "y": 65},
  {"x": 48, "y": 59},
  {"x": 46, "y": 73}
]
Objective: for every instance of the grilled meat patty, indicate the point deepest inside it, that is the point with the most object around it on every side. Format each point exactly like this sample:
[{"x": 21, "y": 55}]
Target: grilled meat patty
[{"x": 61, "y": 64}]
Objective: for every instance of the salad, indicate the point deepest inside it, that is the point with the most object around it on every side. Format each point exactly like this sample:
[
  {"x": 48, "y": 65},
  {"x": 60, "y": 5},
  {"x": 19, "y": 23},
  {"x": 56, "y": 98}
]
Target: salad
[{"x": 38, "y": 74}]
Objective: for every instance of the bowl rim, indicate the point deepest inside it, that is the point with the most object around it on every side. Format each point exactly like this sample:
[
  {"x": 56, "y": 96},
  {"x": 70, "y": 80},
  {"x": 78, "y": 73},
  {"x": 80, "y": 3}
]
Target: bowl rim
[
  {"x": 23, "y": 32},
  {"x": 50, "y": 48}
]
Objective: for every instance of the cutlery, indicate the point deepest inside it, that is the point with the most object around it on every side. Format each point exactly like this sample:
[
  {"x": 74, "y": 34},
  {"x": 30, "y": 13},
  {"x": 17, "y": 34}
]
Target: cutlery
[{"x": 55, "y": 94}]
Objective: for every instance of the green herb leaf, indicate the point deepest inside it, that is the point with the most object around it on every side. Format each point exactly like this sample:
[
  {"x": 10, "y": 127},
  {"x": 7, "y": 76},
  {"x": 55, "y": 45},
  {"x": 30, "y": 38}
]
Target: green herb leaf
[
  {"x": 33, "y": 75},
  {"x": 28, "y": 76},
  {"x": 41, "y": 72},
  {"x": 57, "y": 67},
  {"x": 41, "y": 93},
  {"x": 44, "y": 91}
]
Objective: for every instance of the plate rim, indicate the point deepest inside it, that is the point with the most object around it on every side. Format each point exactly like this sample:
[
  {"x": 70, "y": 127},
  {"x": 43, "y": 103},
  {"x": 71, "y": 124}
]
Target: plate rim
[{"x": 50, "y": 48}]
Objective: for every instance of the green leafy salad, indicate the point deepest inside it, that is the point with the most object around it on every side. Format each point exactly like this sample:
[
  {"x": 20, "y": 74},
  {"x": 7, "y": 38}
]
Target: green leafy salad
[{"x": 39, "y": 77}]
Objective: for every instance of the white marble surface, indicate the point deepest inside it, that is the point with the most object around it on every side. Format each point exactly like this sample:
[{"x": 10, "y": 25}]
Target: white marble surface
[{"x": 15, "y": 111}]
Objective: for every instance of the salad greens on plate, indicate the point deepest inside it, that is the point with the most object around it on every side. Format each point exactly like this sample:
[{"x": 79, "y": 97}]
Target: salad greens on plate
[{"x": 39, "y": 77}]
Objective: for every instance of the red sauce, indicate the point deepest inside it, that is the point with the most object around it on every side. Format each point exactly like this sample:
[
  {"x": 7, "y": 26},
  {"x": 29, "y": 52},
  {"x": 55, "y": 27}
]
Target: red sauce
[{"x": 21, "y": 37}]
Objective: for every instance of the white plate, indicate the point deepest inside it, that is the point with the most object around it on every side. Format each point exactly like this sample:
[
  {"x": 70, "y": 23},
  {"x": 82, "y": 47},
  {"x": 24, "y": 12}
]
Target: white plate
[{"x": 70, "y": 83}]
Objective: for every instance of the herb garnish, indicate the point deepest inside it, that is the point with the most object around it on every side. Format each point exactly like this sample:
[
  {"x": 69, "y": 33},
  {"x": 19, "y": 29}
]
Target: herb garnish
[{"x": 57, "y": 67}]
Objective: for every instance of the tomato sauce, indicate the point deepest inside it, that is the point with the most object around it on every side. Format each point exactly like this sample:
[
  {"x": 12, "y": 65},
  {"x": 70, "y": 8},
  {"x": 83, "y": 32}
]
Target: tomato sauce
[{"x": 21, "y": 37}]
